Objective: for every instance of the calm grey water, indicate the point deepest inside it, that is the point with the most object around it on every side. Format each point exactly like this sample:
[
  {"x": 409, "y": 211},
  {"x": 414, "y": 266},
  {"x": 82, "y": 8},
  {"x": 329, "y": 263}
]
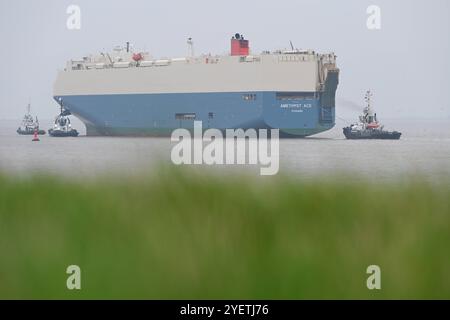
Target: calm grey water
[{"x": 423, "y": 150}]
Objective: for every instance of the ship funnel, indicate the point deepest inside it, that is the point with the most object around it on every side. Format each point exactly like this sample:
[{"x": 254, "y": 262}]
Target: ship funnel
[{"x": 239, "y": 46}]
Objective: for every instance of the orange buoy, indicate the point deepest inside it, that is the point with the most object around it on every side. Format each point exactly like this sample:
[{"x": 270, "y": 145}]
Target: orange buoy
[{"x": 35, "y": 137}]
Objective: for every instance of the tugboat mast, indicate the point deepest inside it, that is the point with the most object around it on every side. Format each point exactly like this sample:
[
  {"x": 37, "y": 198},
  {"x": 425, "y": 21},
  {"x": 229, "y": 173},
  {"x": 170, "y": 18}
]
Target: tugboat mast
[
  {"x": 368, "y": 116},
  {"x": 61, "y": 105}
]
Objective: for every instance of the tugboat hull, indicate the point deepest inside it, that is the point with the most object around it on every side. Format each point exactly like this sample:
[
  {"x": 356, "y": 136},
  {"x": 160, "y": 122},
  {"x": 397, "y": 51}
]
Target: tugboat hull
[
  {"x": 30, "y": 132},
  {"x": 62, "y": 134},
  {"x": 371, "y": 134}
]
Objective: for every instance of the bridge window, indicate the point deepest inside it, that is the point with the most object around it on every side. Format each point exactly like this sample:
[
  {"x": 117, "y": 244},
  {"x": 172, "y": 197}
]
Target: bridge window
[
  {"x": 249, "y": 97},
  {"x": 185, "y": 116}
]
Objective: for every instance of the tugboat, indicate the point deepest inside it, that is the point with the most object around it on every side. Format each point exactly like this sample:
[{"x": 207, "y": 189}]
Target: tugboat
[
  {"x": 62, "y": 126},
  {"x": 368, "y": 126},
  {"x": 29, "y": 125}
]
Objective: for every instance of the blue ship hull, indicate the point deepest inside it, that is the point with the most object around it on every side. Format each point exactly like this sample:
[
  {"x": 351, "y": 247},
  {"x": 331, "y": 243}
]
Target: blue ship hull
[{"x": 295, "y": 114}]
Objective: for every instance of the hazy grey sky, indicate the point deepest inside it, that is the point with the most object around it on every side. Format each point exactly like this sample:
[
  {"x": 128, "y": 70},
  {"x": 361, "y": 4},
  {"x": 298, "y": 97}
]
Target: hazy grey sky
[{"x": 406, "y": 63}]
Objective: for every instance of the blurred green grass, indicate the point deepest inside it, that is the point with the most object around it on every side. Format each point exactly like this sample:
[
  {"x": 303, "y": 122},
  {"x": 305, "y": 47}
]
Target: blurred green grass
[{"x": 178, "y": 235}]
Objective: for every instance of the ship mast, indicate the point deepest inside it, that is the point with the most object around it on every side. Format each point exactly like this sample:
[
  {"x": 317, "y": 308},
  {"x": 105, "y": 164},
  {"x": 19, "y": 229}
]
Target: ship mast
[
  {"x": 190, "y": 44},
  {"x": 60, "y": 105},
  {"x": 368, "y": 116},
  {"x": 368, "y": 99}
]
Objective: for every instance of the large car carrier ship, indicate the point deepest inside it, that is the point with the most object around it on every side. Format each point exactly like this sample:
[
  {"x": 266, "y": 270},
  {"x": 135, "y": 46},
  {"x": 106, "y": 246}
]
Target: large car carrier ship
[{"x": 130, "y": 93}]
